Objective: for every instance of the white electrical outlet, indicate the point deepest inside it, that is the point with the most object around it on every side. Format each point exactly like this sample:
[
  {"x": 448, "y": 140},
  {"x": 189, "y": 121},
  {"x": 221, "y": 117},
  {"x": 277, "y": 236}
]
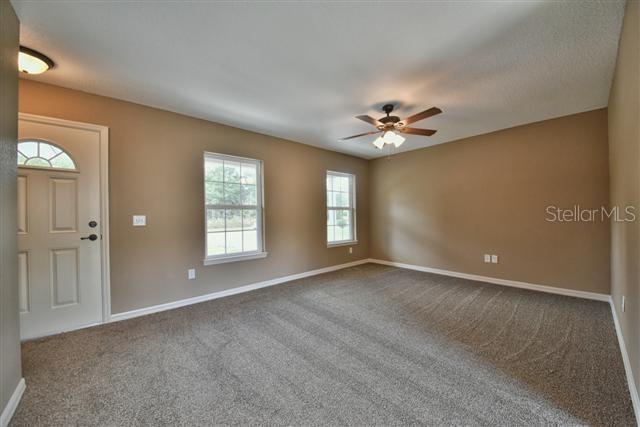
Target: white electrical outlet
[
  {"x": 139, "y": 220},
  {"x": 191, "y": 274},
  {"x": 350, "y": 250},
  {"x": 494, "y": 259},
  {"x": 487, "y": 258},
  {"x": 623, "y": 303}
]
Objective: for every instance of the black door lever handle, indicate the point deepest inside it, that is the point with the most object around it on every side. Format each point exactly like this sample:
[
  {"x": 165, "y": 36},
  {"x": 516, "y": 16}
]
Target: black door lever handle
[{"x": 91, "y": 237}]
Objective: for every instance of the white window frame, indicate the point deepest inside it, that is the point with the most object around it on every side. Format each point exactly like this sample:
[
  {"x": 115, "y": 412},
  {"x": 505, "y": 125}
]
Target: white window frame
[
  {"x": 352, "y": 208},
  {"x": 240, "y": 256}
]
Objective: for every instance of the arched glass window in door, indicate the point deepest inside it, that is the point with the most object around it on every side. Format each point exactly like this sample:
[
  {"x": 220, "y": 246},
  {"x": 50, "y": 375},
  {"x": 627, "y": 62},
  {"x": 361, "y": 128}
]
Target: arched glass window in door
[{"x": 42, "y": 154}]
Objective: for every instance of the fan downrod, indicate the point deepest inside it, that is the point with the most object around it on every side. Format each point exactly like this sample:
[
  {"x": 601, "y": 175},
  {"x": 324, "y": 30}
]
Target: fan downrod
[{"x": 388, "y": 121}]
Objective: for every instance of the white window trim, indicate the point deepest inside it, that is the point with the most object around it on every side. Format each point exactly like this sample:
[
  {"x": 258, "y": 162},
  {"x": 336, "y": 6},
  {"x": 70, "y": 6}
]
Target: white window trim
[
  {"x": 234, "y": 257},
  {"x": 352, "y": 192},
  {"x": 242, "y": 256}
]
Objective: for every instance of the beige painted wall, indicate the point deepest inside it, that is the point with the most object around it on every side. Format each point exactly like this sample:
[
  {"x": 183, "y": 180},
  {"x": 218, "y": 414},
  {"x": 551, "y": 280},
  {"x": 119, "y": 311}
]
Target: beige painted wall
[
  {"x": 156, "y": 169},
  {"x": 10, "y": 370},
  {"x": 446, "y": 206},
  {"x": 624, "y": 152}
]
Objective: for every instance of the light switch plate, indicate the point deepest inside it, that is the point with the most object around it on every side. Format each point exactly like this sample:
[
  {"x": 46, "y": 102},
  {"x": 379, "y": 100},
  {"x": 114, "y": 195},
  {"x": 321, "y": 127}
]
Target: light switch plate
[
  {"x": 494, "y": 259},
  {"x": 487, "y": 258},
  {"x": 191, "y": 274},
  {"x": 139, "y": 220}
]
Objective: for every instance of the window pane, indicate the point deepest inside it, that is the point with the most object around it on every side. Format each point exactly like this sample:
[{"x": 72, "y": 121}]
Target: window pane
[
  {"x": 330, "y": 233},
  {"x": 213, "y": 170},
  {"x": 232, "y": 171},
  {"x": 234, "y": 219},
  {"x": 250, "y": 240},
  {"x": 329, "y": 180},
  {"x": 344, "y": 184},
  {"x": 331, "y": 217},
  {"x": 21, "y": 159},
  {"x": 248, "y": 174},
  {"x": 47, "y": 151},
  {"x": 234, "y": 242},
  {"x": 249, "y": 218},
  {"x": 249, "y": 196},
  {"x": 63, "y": 161},
  {"x": 38, "y": 161},
  {"x": 341, "y": 200},
  {"x": 215, "y": 220},
  {"x": 28, "y": 148},
  {"x": 232, "y": 193},
  {"x": 343, "y": 225},
  {"x": 342, "y": 217},
  {"x": 215, "y": 244},
  {"x": 214, "y": 193},
  {"x": 346, "y": 232}
]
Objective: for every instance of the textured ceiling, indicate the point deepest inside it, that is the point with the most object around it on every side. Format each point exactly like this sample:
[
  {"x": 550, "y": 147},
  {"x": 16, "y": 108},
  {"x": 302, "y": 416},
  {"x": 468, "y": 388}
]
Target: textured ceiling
[{"x": 301, "y": 71}]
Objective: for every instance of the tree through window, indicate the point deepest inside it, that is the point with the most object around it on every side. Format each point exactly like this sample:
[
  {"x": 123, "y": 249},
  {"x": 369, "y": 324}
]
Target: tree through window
[{"x": 233, "y": 204}]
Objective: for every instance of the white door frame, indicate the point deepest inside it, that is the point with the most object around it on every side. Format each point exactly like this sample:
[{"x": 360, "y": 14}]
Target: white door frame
[{"x": 103, "y": 136}]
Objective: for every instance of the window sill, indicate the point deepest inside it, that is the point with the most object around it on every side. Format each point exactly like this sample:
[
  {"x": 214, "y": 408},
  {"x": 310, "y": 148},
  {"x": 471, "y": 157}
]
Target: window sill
[
  {"x": 223, "y": 260},
  {"x": 343, "y": 243}
]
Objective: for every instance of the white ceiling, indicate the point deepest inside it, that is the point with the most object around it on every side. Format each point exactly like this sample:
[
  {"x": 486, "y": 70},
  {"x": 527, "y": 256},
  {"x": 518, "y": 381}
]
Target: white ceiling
[{"x": 302, "y": 71}]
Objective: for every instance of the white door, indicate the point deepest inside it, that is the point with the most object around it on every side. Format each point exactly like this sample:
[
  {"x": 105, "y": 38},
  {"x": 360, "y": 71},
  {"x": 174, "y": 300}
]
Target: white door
[{"x": 59, "y": 228}]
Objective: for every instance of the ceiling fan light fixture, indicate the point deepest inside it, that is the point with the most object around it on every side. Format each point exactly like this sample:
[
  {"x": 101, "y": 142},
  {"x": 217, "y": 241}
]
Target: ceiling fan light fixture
[
  {"x": 33, "y": 62},
  {"x": 387, "y": 125},
  {"x": 399, "y": 141},
  {"x": 391, "y": 137}
]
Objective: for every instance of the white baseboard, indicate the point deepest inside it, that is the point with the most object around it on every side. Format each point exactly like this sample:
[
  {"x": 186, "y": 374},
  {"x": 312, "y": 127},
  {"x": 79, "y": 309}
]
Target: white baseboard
[
  {"x": 496, "y": 281},
  {"x": 227, "y": 292},
  {"x": 627, "y": 363},
  {"x": 12, "y": 404}
]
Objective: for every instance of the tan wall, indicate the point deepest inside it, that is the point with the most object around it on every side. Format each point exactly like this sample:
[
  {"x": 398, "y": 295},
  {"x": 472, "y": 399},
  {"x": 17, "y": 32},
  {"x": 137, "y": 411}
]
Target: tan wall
[
  {"x": 10, "y": 370},
  {"x": 624, "y": 152},
  {"x": 447, "y": 205},
  {"x": 156, "y": 169}
]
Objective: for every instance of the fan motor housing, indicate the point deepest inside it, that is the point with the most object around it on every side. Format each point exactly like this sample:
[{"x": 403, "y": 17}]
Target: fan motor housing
[{"x": 389, "y": 119}]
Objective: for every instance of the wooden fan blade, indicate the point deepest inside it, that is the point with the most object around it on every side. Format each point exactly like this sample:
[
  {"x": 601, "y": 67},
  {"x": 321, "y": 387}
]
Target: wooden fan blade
[
  {"x": 359, "y": 135},
  {"x": 369, "y": 120},
  {"x": 415, "y": 131},
  {"x": 421, "y": 116}
]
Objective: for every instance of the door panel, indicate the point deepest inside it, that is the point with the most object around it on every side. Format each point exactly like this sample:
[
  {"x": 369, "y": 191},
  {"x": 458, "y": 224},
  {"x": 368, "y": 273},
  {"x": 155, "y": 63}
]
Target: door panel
[
  {"x": 22, "y": 205},
  {"x": 63, "y": 205},
  {"x": 64, "y": 277},
  {"x": 23, "y": 282},
  {"x": 60, "y": 274}
]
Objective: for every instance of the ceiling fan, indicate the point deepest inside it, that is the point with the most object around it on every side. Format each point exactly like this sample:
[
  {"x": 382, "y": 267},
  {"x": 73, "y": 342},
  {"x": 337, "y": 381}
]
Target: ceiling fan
[{"x": 389, "y": 125}]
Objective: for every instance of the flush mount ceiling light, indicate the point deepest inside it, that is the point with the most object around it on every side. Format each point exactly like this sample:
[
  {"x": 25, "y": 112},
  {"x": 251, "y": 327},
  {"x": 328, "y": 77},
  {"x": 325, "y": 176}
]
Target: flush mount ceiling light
[
  {"x": 387, "y": 125},
  {"x": 33, "y": 62}
]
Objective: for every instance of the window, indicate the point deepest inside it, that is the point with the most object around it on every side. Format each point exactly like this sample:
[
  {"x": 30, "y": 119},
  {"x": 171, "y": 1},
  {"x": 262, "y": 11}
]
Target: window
[
  {"x": 233, "y": 208},
  {"x": 341, "y": 208},
  {"x": 40, "y": 154}
]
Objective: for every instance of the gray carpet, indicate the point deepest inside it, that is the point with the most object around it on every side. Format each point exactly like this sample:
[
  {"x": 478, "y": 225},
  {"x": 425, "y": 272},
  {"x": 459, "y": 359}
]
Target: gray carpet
[{"x": 369, "y": 345}]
